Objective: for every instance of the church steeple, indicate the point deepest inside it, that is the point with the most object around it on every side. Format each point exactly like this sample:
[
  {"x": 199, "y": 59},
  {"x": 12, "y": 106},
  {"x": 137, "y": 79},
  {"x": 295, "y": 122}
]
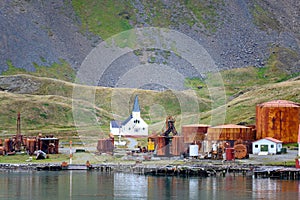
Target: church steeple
[{"x": 136, "y": 108}]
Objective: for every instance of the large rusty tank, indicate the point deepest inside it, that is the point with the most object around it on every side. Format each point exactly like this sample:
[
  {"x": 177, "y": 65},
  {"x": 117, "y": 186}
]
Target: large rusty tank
[
  {"x": 278, "y": 119},
  {"x": 177, "y": 147},
  {"x": 230, "y": 132},
  {"x": 194, "y": 132}
]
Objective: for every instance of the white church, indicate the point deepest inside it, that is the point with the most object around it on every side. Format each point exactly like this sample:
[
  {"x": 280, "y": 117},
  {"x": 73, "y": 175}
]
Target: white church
[{"x": 134, "y": 125}]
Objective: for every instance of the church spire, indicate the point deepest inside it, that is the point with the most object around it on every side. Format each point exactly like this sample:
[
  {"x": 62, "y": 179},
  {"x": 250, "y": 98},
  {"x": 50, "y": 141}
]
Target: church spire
[{"x": 136, "y": 106}]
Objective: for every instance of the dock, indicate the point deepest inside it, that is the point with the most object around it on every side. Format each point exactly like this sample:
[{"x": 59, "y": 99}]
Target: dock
[
  {"x": 285, "y": 173},
  {"x": 278, "y": 173}
]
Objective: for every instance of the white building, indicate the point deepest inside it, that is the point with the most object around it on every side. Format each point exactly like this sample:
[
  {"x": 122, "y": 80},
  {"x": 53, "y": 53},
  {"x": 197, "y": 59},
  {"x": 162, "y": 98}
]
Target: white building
[
  {"x": 267, "y": 145},
  {"x": 134, "y": 125}
]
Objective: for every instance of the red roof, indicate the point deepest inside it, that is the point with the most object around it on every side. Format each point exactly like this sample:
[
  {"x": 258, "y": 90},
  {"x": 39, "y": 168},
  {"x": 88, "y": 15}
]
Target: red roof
[
  {"x": 230, "y": 126},
  {"x": 273, "y": 140},
  {"x": 270, "y": 139},
  {"x": 280, "y": 103}
]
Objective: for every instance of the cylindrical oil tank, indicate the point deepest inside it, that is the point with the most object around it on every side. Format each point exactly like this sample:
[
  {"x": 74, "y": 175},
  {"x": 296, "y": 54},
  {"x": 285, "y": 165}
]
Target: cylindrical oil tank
[
  {"x": 31, "y": 145},
  {"x": 105, "y": 145},
  {"x": 230, "y": 132},
  {"x": 278, "y": 119},
  {"x": 194, "y": 150},
  {"x": 161, "y": 146},
  {"x": 8, "y": 145},
  {"x": 2, "y": 151},
  {"x": 177, "y": 147},
  {"x": 194, "y": 132}
]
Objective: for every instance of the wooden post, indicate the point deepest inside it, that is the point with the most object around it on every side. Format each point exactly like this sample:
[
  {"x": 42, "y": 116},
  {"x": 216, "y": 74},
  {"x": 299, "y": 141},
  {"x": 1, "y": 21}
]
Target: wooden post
[{"x": 71, "y": 154}]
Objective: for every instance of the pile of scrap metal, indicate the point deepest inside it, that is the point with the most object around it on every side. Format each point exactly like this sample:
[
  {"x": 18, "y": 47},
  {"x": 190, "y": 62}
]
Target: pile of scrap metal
[
  {"x": 14, "y": 144},
  {"x": 241, "y": 149},
  {"x": 31, "y": 145},
  {"x": 217, "y": 151},
  {"x": 11, "y": 145}
]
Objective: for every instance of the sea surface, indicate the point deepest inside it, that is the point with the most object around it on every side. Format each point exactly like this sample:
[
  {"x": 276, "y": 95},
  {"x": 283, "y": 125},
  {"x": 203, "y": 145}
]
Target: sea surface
[{"x": 73, "y": 185}]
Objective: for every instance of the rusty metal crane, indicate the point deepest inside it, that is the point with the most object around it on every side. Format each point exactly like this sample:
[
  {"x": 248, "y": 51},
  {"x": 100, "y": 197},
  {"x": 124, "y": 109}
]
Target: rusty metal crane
[{"x": 170, "y": 126}]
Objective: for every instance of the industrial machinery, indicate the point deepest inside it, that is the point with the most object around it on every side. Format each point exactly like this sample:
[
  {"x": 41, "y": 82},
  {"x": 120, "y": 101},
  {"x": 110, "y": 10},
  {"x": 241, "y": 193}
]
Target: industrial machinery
[
  {"x": 240, "y": 150},
  {"x": 160, "y": 143},
  {"x": 164, "y": 142},
  {"x": 170, "y": 126},
  {"x": 217, "y": 151},
  {"x": 19, "y": 142}
]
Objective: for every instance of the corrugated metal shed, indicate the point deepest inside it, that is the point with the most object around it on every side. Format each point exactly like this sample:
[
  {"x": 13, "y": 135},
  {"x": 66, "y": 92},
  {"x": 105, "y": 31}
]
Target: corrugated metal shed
[{"x": 278, "y": 119}]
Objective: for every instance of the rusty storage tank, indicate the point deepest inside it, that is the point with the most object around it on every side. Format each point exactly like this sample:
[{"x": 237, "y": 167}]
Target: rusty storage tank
[
  {"x": 278, "y": 119},
  {"x": 31, "y": 146},
  {"x": 105, "y": 145},
  {"x": 194, "y": 132},
  {"x": 231, "y": 132},
  {"x": 8, "y": 145},
  {"x": 161, "y": 146},
  {"x": 177, "y": 147}
]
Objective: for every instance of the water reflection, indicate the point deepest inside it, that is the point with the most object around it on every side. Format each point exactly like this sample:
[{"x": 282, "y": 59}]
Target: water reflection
[{"x": 75, "y": 185}]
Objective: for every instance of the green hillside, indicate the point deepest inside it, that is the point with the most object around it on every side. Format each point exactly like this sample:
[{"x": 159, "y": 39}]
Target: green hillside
[{"x": 54, "y": 107}]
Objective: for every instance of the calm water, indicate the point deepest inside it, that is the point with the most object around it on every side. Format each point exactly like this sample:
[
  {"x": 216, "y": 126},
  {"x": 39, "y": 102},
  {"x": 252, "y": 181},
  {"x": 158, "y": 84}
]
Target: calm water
[{"x": 75, "y": 185}]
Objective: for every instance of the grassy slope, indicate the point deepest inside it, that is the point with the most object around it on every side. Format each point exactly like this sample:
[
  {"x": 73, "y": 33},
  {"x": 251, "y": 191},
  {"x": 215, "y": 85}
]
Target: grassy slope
[
  {"x": 104, "y": 18},
  {"x": 61, "y": 71},
  {"x": 107, "y": 18},
  {"x": 49, "y": 110}
]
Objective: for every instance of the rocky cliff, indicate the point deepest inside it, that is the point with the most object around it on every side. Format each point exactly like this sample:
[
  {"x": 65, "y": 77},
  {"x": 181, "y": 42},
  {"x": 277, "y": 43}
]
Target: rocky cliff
[{"x": 235, "y": 33}]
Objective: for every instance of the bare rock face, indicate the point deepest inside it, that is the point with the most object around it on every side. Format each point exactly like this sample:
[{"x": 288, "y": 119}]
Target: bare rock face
[
  {"x": 41, "y": 32},
  {"x": 18, "y": 84},
  {"x": 44, "y": 32}
]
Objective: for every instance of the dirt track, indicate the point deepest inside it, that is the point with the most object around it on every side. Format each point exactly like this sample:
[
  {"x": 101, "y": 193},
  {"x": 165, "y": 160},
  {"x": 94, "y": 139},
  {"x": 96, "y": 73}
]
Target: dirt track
[{"x": 93, "y": 157}]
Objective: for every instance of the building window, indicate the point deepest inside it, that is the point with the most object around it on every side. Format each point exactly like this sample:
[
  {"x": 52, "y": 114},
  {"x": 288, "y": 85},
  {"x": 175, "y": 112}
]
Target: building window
[
  {"x": 256, "y": 146},
  {"x": 272, "y": 145}
]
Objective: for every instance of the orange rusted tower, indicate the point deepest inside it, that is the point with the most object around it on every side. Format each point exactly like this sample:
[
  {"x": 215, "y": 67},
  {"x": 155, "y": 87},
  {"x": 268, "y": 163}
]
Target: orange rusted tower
[{"x": 278, "y": 119}]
